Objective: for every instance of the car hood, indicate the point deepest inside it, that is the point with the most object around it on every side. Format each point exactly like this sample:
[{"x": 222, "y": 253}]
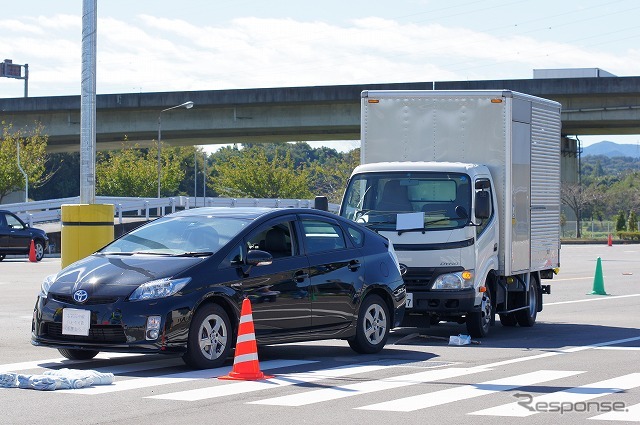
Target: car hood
[{"x": 115, "y": 275}]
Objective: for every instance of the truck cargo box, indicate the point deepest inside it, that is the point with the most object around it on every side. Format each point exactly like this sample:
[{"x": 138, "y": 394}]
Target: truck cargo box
[{"x": 517, "y": 136}]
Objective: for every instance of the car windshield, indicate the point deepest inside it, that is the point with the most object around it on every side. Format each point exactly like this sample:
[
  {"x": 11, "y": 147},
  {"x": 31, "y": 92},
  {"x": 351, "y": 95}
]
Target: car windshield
[
  {"x": 439, "y": 200},
  {"x": 178, "y": 236}
]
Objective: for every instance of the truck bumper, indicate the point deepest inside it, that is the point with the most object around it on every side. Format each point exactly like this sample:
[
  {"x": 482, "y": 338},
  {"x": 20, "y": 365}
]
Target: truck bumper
[{"x": 444, "y": 303}]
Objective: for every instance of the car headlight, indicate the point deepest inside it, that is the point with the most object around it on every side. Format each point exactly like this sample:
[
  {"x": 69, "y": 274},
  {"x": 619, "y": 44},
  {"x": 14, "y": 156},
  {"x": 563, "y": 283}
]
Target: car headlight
[
  {"x": 454, "y": 281},
  {"x": 160, "y": 288},
  {"x": 46, "y": 285}
]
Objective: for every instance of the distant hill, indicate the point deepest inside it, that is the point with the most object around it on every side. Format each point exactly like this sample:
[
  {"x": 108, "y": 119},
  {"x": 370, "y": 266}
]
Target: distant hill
[{"x": 611, "y": 149}]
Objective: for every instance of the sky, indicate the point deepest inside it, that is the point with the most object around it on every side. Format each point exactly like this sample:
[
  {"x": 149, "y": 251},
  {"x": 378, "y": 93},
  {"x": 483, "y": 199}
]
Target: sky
[{"x": 157, "y": 45}]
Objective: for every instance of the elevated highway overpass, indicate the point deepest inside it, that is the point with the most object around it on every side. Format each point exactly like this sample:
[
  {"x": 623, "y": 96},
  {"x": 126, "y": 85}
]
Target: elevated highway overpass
[{"x": 591, "y": 106}]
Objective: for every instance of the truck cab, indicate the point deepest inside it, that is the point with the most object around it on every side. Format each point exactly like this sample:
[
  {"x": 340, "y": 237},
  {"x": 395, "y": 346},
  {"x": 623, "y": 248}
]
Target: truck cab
[
  {"x": 440, "y": 218},
  {"x": 466, "y": 184}
]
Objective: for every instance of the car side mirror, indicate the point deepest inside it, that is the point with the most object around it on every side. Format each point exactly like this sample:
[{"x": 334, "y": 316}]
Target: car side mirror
[{"x": 256, "y": 257}]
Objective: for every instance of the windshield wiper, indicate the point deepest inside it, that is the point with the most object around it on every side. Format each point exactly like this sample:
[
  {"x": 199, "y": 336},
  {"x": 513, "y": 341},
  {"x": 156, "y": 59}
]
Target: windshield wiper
[{"x": 195, "y": 254}]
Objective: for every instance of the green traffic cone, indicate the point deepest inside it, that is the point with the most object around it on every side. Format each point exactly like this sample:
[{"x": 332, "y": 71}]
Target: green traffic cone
[{"x": 598, "y": 280}]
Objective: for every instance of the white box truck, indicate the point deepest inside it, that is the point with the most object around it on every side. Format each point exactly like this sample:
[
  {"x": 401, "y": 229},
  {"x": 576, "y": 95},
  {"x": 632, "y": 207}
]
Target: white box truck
[{"x": 466, "y": 184}]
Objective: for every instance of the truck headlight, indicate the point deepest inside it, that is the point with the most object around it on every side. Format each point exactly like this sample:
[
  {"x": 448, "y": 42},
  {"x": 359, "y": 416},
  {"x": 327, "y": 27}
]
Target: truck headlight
[
  {"x": 160, "y": 288},
  {"x": 454, "y": 281}
]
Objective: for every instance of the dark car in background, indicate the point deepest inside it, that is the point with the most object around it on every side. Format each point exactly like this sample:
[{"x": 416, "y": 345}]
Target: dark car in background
[
  {"x": 16, "y": 237},
  {"x": 176, "y": 285}
]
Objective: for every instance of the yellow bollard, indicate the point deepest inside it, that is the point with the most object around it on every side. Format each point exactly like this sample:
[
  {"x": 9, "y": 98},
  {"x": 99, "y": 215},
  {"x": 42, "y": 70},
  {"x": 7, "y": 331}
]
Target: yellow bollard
[{"x": 85, "y": 229}]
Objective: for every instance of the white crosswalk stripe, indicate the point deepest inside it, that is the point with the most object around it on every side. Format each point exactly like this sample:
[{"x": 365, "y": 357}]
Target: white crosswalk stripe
[
  {"x": 130, "y": 384},
  {"x": 268, "y": 384},
  {"x": 60, "y": 362},
  {"x": 422, "y": 401},
  {"x": 334, "y": 393},
  {"x": 625, "y": 414},
  {"x": 527, "y": 404},
  {"x": 527, "y": 407}
]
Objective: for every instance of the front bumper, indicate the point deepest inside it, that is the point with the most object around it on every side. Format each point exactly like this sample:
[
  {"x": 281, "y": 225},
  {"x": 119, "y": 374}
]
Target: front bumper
[
  {"x": 419, "y": 281},
  {"x": 444, "y": 303},
  {"x": 117, "y": 325}
]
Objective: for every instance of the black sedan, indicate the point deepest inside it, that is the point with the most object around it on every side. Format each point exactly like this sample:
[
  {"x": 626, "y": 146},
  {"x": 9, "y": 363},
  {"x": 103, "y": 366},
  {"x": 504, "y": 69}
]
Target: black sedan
[
  {"x": 16, "y": 237},
  {"x": 176, "y": 285}
]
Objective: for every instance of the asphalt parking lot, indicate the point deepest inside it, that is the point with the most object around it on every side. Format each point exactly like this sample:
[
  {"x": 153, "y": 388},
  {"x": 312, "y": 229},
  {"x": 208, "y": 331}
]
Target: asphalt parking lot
[{"x": 583, "y": 349}]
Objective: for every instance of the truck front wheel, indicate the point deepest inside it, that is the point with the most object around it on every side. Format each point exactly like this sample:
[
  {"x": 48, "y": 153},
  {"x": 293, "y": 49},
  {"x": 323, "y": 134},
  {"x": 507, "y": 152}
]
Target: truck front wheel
[
  {"x": 478, "y": 322},
  {"x": 527, "y": 318}
]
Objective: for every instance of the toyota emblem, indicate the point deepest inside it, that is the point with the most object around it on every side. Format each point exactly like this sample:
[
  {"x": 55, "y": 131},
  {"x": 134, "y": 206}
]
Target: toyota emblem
[{"x": 80, "y": 296}]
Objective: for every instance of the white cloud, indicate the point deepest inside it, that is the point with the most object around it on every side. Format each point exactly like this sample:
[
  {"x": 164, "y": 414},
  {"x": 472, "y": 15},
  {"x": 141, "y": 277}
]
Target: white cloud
[{"x": 150, "y": 53}]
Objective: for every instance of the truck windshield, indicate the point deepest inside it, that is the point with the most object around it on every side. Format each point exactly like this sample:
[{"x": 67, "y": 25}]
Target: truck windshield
[{"x": 443, "y": 200}]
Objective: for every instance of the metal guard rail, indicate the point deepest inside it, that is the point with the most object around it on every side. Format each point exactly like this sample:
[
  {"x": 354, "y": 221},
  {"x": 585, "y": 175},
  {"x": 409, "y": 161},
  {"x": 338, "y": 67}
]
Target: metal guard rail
[{"x": 50, "y": 210}]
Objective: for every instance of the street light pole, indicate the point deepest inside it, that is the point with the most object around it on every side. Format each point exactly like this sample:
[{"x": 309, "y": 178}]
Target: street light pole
[{"x": 186, "y": 105}]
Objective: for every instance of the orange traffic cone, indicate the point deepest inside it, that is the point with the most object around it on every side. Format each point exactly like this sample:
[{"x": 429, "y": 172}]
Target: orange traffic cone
[
  {"x": 245, "y": 362},
  {"x": 610, "y": 241},
  {"x": 32, "y": 252}
]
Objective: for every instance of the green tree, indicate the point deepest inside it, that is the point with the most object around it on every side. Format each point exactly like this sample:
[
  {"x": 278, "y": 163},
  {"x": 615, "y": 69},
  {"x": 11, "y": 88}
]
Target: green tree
[
  {"x": 66, "y": 168},
  {"x": 329, "y": 178},
  {"x": 633, "y": 222},
  {"x": 253, "y": 175},
  {"x": 621, "y": 223},
  {"x": 578, "y": 199},
  {"x": 132, "y": 171},
  {"x": 32, "y": 158}
]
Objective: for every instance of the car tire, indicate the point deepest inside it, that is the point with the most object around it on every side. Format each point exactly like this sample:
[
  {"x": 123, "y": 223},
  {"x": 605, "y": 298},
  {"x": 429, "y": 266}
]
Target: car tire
[
  {"x": 2, "y": 257},
  {"x": 210, "y": 338},
  {"x": 72, "y": 354},
  {"x": 38, "y": 246},
  {"x": 372, "y": 328},
  {"x": 527, "y": 318},
  {"x": 479, "y": 322}
]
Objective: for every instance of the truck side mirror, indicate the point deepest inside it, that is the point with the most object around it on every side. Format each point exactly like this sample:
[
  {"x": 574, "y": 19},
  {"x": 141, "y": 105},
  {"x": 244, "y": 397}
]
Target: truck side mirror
[
  {"x": 321, "y": 203},
  {"x": 483, "y": 205}
]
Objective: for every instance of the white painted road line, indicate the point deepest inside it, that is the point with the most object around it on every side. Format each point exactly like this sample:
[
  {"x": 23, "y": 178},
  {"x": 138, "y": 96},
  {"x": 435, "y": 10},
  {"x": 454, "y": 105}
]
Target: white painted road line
[
  {"x": 278, "y": 382},
  {"x": 423, "y": 401},
  {"x": 630, "y": 414},
  {"x": 334, "y": 393},
  {"x": 586, "y": 300},
  {"x": 136, "y": 383},
  {"x": 60, "y": 362},
  {"x": 618, "y": 348},
  {"x": 531, "y": 406}
]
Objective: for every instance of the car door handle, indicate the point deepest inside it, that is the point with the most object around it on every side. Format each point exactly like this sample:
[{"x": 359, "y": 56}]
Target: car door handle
[
  {"x": 354, "y": 265},
  {"x": 300, "y": 276}
]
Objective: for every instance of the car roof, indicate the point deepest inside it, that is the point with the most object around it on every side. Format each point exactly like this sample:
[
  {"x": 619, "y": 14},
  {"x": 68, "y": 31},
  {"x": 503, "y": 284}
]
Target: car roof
[{"x": 250, "y": 213}]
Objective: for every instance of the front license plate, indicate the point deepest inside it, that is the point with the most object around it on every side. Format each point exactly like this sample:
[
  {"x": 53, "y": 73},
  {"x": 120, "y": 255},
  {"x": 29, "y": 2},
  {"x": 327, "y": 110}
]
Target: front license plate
[
  {"x": 75, "y": 321},
  {"x": 409, "y": 300}
]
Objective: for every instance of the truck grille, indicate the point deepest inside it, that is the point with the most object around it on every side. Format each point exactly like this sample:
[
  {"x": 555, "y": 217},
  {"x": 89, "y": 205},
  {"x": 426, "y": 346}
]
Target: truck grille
[{"x": 421, "y": 278}]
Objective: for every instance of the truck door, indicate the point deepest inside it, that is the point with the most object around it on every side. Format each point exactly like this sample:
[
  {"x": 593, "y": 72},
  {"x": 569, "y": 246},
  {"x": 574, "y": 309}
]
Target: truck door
[{"x": 487, "y": 231}]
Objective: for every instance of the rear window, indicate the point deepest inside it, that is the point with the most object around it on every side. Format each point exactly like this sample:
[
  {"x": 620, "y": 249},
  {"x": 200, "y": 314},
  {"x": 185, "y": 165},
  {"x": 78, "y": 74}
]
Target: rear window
[{"x": 322, "y": 236}]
